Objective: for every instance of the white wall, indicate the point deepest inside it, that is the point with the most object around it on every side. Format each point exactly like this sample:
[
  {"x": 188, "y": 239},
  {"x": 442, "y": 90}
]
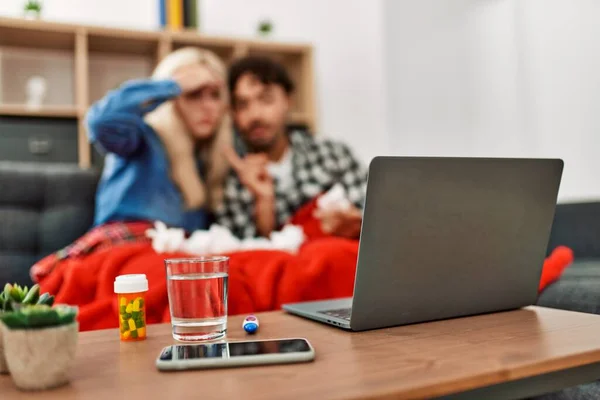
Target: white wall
[
  {"x": 139, "y": 14},
  {"x": 348, "y": 42},
  {"x": 348, "y": 49},
  {"x": 561, "y": 41},
  {"x": 497, "y": 78},
  {"x": 451, "y": 73},
  {"x": 428, "y": 77}
]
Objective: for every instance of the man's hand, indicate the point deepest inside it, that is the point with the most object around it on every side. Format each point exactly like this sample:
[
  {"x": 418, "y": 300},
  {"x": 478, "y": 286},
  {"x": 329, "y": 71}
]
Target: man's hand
[
  {"x": 343, "y": 223},
  {"x": 194, "y": 77},
  {"x": 252, "y": 172}
]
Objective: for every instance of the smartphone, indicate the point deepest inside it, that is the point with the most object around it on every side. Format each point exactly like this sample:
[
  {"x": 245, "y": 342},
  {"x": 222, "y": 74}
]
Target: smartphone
[{"x": 234, "y": 354}]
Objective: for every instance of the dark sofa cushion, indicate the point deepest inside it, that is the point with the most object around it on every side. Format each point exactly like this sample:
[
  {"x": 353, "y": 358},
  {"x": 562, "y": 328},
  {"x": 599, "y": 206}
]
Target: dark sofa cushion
[
  {"x": 43, "y": 207},
  {"x": 578, "y": 289},
  {"x": 577, "y": 225}
]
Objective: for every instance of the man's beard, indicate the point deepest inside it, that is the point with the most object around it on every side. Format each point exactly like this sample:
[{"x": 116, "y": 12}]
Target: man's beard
[{"x": 262, "y": 145}]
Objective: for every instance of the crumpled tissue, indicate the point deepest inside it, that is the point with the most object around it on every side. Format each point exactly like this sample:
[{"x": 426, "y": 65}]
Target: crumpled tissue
[
  {"x": 218, "y": 239},
  {"x": 335, "y": 199}
]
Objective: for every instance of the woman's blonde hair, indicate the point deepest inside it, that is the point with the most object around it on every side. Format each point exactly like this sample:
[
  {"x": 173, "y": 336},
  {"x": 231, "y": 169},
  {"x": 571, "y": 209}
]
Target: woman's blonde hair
[{"x": 179, "y": 143}]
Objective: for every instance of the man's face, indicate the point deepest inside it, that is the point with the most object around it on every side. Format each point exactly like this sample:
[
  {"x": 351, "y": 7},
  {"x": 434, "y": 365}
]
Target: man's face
[{"x": 259, "y": 112}]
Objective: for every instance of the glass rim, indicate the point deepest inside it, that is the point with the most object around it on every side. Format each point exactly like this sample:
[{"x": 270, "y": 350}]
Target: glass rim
[{"x": 198, "y": 259}]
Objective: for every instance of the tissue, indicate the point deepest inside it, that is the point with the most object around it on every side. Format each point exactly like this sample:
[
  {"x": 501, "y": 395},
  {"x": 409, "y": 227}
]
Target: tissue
[
  {"x": 166, "y": 240},
  {"x": 335, "y": 199},
  {"x": 219, "y": 240}
]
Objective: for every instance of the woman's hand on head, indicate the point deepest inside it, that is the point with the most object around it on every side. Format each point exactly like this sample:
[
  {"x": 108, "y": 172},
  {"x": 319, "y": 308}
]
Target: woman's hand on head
[{"x": 195, "y": 76}]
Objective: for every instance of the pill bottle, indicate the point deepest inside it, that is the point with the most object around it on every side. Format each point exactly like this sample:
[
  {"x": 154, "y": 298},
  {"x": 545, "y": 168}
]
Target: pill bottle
[{"x": 131, "y": 296}]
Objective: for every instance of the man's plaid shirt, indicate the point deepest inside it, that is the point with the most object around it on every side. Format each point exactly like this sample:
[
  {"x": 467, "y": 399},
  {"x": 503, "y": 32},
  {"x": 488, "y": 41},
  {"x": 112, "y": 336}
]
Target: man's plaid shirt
[{"x": 316, "y": 166}]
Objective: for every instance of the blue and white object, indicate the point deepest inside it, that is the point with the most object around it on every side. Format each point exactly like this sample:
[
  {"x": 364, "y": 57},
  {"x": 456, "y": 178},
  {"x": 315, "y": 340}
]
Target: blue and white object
[{"x": 250, "y": 324}]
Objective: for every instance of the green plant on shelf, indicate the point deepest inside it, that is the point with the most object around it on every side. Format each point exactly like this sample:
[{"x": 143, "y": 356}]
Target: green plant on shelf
[
  {"x": 265, "y": 28},
  {"x": 33, "y": 6}
]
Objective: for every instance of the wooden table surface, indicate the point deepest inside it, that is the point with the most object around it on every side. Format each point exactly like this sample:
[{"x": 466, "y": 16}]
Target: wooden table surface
[{"x": 416, "y": 361}]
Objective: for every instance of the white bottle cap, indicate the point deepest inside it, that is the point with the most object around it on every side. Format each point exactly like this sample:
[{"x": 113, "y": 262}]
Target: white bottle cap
[{"x": 131, "y": 283}]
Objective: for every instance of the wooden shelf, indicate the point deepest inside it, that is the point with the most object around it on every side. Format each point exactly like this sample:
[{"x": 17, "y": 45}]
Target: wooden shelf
[
  {"x": 122, "y": 41},
  {"x": 21, "y": 23},
  {"x": 301, "y": 118},
  {"x": 193, "y": 37},
  {"x": 36, "y": 34},
  {"x": 84, "y": 62},
  {"x": 276, "y": 47},
  {"x": 224, "y": 48},
  {"x": 45, "y": 111}
]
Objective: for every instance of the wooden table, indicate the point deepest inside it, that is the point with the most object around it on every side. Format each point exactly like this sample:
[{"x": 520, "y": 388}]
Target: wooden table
[{"x": 512, "y": 354}]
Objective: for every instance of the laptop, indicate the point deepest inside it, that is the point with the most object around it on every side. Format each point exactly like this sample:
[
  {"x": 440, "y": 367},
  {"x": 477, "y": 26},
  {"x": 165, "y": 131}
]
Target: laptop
[{"x": 444, "y": 238}]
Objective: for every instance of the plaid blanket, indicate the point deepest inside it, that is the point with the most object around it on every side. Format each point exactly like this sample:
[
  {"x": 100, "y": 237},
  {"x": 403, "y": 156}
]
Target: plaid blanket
[{"x": 100, "y": 238}]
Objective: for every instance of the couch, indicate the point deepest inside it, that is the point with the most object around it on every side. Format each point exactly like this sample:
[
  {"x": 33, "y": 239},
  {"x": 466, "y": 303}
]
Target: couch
[
  {"x": 44, "y": 207},
  {"x": 577, "y": 226}
]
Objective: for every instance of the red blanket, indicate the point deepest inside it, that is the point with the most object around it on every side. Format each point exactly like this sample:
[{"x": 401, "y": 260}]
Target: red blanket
[{"x": 259, "y": 280}]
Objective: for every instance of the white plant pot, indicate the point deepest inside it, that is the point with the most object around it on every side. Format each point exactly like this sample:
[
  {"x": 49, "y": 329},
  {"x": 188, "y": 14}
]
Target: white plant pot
[
  {"x": 40, "y": 359},
  {"x": 3, "y": 366},
  {"x": 32, "y": 15}
]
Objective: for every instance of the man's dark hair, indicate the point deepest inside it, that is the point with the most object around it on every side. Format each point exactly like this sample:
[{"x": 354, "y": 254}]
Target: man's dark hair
[{"x": 265, "y": 69}]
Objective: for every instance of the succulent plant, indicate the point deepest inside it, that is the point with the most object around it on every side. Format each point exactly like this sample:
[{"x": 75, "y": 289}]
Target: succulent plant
[
  {"x": 38, "y": 316},
  {"x": 15, "y": 294}
]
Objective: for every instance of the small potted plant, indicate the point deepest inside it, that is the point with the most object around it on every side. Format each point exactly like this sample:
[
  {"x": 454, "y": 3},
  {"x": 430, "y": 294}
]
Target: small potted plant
[
  {"x": 39, "y": 344},
  {"x": 13, "y": 295},
  {"x": 33, "y": 9},
  {"x": 265, "y": 28}
]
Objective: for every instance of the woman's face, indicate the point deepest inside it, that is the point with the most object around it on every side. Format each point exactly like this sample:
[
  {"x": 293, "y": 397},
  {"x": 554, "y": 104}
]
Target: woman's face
[{"x": 202, "y": 109}]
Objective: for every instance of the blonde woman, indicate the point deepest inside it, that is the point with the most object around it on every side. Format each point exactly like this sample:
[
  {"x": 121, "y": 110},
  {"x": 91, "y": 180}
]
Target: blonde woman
[{"x": 163, "y": 139}]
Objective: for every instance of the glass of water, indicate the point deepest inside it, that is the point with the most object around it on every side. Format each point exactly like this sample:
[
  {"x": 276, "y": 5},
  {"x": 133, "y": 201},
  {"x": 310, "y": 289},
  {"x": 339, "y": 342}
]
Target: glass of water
[{"x": 197, "y": 289}]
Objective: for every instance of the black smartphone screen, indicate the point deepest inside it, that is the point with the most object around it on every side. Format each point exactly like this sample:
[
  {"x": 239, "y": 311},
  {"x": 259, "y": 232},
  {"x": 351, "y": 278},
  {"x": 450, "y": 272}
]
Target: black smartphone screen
[{"x": 233, "y": 349}]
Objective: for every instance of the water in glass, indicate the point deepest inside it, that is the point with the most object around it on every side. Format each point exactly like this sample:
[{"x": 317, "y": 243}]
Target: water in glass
[{"x": 198, "y": 303}]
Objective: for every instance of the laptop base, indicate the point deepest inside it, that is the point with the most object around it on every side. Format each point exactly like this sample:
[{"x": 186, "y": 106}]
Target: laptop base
[{"x": 315, "y": 310}]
